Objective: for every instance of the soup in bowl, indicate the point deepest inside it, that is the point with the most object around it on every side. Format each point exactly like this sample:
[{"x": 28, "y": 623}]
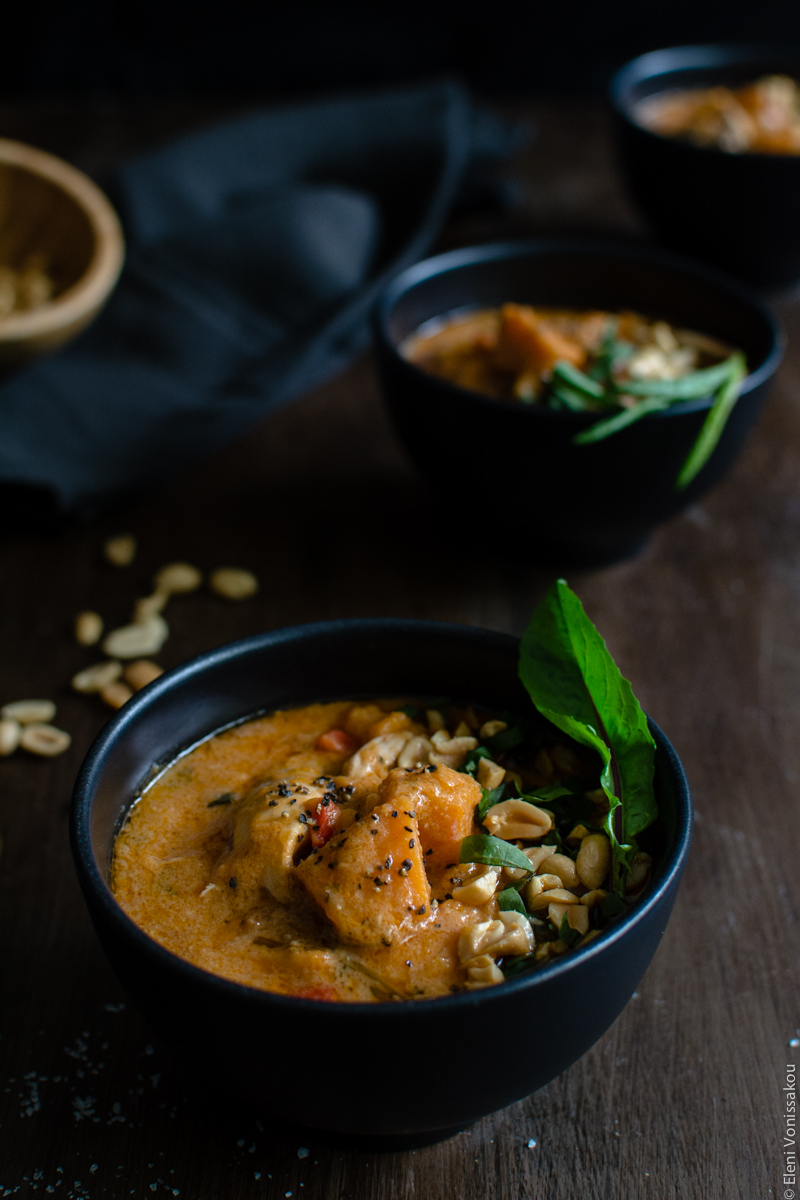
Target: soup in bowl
[{"x": 245, "y": 1037}]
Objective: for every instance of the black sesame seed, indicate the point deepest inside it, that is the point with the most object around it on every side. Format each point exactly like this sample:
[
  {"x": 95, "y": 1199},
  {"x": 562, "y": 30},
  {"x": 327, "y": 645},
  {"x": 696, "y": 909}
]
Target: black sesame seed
[
  {"x": 448, "y": 896},
  {"x": 272, "y": 803},
  {"x": 427, "y": 852},
  {"x": 374, "y": 816},
  {"x": 302, "y": 818},
  {"x": 232, "y": 882},
  {"x": 408, "y": 829},
  {"x": 411, "y": 844},
  {"x": 407, "y": 863},
  {"x": 394, "y": 812},
  {"x": 421, "y": 910},
  {"x": 374, "y": 832}
]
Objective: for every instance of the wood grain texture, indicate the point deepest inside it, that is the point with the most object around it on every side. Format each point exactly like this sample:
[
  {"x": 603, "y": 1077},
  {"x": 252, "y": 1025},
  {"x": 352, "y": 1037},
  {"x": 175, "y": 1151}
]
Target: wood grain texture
[{"x": 682, "y": 1098}]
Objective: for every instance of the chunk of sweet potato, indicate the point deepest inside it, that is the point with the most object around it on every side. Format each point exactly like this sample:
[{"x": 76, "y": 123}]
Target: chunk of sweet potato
[
  {"x": 370, "y": 881},
  {"x": 529, "y": 343},
  {"x": 444, "y": 803}
]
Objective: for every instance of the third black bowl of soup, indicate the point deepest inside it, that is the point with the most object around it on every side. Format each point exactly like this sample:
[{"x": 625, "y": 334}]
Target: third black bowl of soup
[
  {"x": 708, "y": 139},
  {"x": 572, "y": 394}
]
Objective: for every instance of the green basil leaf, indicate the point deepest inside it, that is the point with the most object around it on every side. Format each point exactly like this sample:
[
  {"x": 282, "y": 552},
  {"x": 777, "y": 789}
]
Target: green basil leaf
[
  {"x": 693, "y": 386},
  {"x": 605, "y": 428},
  {"x": 714, "y": 423},
  {"x": 549, "y": 793},
  {"x": 488, "y": 798},
  {"x": 611, "y": 905},
  {"x": 575, "y": 683},
  {"x": 511, "y": 901},
  {"x": 516, "y": 966},
  {"x": 494, "y": 852},
  {"x": 571, "y": 399},
  {"x": 505, "y": 740},
  {"x": 612, "y": 355},
  {"x": 577, "y": 381},
  {"x": 472, "y": 759},
  {"x": 567, "y": 933}
]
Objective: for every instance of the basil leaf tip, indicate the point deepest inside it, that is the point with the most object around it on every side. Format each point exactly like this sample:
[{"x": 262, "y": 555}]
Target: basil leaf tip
[
  {"x": 510, "y": 900},
  {"x": 492, "y": 852}
]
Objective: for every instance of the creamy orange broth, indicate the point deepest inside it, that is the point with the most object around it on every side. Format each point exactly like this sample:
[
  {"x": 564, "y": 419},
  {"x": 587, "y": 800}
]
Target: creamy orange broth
[{"x": 215, "y": 860}]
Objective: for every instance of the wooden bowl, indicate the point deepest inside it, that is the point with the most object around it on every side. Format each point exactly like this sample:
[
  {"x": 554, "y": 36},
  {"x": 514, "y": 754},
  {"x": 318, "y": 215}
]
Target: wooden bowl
[{"x": 53, "y": 214}]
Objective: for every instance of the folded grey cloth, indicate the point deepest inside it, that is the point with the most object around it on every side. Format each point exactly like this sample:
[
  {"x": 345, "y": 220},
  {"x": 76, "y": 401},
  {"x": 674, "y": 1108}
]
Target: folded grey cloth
[{"x": 255, "y": 251}]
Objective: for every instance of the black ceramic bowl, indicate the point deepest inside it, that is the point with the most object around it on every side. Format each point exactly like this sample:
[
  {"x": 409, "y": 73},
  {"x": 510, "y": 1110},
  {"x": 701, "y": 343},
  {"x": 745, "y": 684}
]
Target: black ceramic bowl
[
  {"x": 516, "y": 463},
  {"x": 400, "y": 1071},
  {"x": 736, "y": 210}
]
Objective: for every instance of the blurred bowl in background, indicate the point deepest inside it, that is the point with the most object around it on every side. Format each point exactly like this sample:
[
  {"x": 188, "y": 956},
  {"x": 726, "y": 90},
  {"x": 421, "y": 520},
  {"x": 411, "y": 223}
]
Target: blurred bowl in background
[
  {"x": 512, "y": 469},
  {"x": 739, "y": 211},
  {"x": 61, "y": 252}
]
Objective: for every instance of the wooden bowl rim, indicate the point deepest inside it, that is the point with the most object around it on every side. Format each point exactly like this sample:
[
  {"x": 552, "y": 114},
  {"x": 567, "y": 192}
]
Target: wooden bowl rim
[{"x": 94, "y": 285}]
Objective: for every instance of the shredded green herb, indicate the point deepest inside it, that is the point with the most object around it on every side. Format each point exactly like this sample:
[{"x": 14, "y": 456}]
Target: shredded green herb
[
  {"x": 227, "y": 798},
  {"x": 580, "y": 393}
]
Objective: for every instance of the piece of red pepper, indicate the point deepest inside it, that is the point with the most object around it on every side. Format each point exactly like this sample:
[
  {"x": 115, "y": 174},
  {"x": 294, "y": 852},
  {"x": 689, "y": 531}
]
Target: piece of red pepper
[{"x": 325, "y": 818}]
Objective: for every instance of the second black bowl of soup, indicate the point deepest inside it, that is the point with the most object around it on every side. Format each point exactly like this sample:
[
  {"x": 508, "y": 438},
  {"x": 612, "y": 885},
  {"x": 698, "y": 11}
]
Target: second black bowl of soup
[{"x": 515, "y": 466}]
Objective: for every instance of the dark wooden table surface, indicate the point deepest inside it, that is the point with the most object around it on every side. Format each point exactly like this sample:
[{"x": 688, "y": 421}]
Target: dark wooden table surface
[{"x": 683, "y": 1096}]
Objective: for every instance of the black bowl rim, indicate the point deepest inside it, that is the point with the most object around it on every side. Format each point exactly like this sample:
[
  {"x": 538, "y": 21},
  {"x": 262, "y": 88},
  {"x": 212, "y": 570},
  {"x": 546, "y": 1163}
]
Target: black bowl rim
[
  {"x": 103, "y": 745},
  {"x": 713, "y": 56},
  {"x": 466, "y": 256},
  {"x": 577, "y": 247}
]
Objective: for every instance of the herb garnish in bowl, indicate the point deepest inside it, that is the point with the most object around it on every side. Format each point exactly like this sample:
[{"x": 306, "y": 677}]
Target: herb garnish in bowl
[
  {"x": 619, "y": 367},
  {"x": 592, "y": 840}
]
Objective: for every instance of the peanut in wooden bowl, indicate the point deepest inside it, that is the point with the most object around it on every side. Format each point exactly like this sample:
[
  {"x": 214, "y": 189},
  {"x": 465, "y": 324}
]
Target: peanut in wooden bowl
[{"x": 51, "y": 210}]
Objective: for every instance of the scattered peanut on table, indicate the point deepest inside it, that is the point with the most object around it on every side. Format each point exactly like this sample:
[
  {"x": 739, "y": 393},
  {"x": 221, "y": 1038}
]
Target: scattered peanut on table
[
  {"x": 120, "y": 550},
  {"x": 116, "y": 694},
  {"x": 26, "y": 712},
  {"x": 10, "y": 733},
  {"x": 44, "y": 740},
  {"x": 233, "y": 583},
  {"x": 139, "y": 639},
  {"x": 178, "y": 577},
  {"x": 26, "y": 723},
  {"x": 97, "y": 676},
  {"x": 88, "y": 628}
]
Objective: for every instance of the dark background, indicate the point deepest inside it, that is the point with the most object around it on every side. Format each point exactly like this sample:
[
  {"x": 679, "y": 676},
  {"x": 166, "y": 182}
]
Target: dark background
[{"x": 285, "y": 48}]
